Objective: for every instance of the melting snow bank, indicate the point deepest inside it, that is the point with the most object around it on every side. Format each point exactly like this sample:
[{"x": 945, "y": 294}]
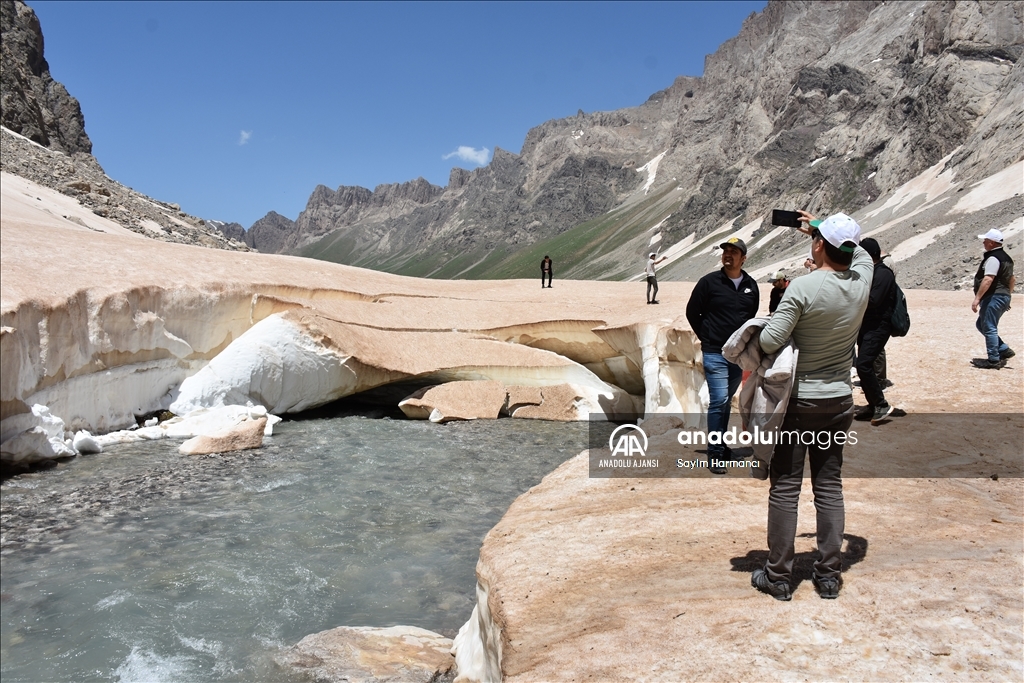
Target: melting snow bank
[
  {"x": 199, "y": 422},
  {"x": 652, "y": 170},
  {"x": 477, "y": 647},
  {"x": 42, "y": 436}
]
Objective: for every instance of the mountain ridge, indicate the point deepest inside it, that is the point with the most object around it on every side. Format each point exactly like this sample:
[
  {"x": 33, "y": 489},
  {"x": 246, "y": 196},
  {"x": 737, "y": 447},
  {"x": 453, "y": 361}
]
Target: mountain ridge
[{"x": 874, "y": 98}]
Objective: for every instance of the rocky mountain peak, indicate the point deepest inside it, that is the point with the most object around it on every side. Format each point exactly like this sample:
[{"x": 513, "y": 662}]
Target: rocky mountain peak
[
  {"x": 270, "y": 233},
  {"x": 33, "y": 104}
]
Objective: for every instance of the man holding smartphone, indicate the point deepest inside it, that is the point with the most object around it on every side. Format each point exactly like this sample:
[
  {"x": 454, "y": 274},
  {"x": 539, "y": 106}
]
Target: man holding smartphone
[
  {"x": 822, "y": 313},
  {"x": 719, "y": 305}
]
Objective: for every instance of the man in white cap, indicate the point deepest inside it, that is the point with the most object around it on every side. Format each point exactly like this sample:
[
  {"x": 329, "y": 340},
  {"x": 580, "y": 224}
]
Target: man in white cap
[
  {"x": 822, "y": 312},
  {"x": 652, "y": 277},
  {"x": 779, "y": 283},
  {"x": 993, "y": 284}
]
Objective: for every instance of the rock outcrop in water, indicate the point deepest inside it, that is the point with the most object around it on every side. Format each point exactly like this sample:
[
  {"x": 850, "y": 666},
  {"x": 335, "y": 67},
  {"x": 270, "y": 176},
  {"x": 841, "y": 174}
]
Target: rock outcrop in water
[{"x": 351, "y": 654}]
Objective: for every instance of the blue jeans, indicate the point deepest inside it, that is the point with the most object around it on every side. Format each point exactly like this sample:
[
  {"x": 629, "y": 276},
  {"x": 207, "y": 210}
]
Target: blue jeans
[
  {"x": 723, "y": 379},
  {"x": 989, "y": 313}
]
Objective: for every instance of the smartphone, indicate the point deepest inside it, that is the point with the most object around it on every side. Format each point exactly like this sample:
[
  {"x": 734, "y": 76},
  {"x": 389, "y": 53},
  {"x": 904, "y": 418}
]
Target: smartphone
[{"x": 787, "y": 219}]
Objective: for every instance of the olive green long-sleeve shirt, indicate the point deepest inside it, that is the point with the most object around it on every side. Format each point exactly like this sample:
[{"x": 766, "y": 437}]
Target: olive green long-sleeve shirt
[{"x": 822, "y": 312}]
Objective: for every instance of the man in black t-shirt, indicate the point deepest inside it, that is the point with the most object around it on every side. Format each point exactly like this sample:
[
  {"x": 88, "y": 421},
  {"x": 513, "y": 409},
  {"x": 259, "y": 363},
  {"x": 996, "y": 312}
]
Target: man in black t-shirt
[{"x": 719, "y": 305}]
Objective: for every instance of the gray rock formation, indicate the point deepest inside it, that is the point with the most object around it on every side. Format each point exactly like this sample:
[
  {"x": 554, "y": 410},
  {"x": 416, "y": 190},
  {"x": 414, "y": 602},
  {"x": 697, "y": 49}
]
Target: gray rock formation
[
  {"x": 270, "y": 233},
  {"x": 233, "y": 231},
  {"x": 33, "y": 104},
  {"x": 825, "y": 106},
  {"x": 44, "y": 140},
  {"x": 81, "y": 177}
]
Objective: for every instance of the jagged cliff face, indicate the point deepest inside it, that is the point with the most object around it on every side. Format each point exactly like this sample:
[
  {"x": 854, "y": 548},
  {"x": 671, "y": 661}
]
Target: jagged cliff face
[
  {"x": 44, "y": 141},
  {"x": 826, "y": 106},
  {"x": 34, "y": 104},
  {"x": 270, "y": 234},
  {"x": 875, "y": 93}
]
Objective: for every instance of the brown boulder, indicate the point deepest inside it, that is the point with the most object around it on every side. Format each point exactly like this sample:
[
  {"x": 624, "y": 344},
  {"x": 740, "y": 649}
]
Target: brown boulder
[
  {"x": 520, "y": 397},
  {"x": 356, "y": 654},
  {"x": 465, "y": 400},
  {"x": 558, "y": 402},
  {"x": 243, "y": 436}
]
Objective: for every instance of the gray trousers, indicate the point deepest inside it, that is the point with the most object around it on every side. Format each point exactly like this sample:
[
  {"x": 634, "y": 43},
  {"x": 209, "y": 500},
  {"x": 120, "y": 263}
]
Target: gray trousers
[{"x": 823, "y": 418}]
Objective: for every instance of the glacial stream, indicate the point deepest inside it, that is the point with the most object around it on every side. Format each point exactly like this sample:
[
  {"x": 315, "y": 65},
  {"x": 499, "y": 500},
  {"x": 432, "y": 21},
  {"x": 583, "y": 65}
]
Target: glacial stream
[{"x": 139, "y": 564}]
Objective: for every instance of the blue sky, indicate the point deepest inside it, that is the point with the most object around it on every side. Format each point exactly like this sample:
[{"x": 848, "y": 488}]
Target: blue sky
[{"x": 236, "y": 109}]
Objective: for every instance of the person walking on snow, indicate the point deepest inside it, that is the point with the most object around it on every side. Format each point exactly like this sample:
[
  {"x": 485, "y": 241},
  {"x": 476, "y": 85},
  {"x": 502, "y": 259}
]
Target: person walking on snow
[
  {"x": 652, "y": 278},
  {"x": 993, "y": 284}
]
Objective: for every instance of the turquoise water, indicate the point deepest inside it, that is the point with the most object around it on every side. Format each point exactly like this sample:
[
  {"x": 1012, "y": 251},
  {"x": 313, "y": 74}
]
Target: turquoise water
[{"x": 140, "y": 564}]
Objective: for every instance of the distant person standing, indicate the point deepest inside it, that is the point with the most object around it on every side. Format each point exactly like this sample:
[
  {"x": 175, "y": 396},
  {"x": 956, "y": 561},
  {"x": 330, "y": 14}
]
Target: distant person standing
[
  {"x": 546, "y": 269},
  {"x": 875, "y": 330},
  {"x": 652, "y": 277},
  {"x": 993, "y": 284},
  {"x": 821, "y": 313},
  {"x": 779, "y": 283},
  {"x": 881, "y": 367},
  {"x": 719, "y": 305}
]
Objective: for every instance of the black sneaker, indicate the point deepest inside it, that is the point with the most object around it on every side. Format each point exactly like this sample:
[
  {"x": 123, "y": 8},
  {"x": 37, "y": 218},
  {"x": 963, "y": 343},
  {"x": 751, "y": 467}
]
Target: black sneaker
[
  {"x": 864, "y": 414},
  {"x": 1008, "y": 353},
  {"x": 828, "y": 588},
  {"x": 716, "y": 469},
  {"x": 886, "y": 383},
  {"x": 986, "y": 364},
  {"x": 777, "y": 589},
  {"x": 882, "y": 411},
  {"x": 655, "y": 302}
]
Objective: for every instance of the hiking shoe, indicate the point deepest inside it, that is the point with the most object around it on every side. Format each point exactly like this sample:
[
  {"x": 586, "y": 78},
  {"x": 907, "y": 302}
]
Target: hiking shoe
[
  {"x": 716, "y": 469},
  {"x": 882, "y": 411},
  {"x": 886, "y": 383},
  {"x": 777, "y": 589},
  {"x": 655, "y": 302},
  {"x": 986, "y": 364},
  {"x": 1008, "y": 353},
  {"x": 864, "y": 414},
  {"x": 828, "y": 588}
]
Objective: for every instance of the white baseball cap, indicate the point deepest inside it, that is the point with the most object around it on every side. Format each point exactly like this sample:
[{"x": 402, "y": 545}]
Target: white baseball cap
[
  {"x": 839, "y": 229},
  {"x": 993, "y": 234}
]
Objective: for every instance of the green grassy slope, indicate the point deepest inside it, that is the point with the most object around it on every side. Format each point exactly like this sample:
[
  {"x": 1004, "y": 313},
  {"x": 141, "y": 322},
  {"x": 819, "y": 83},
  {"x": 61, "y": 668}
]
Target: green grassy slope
[{"x": 608, "y": 247}]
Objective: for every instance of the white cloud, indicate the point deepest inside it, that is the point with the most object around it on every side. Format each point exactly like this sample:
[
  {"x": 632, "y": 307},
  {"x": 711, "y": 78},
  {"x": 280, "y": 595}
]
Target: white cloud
[
  {"x": 477, "y": 156},
  {"x": 244, "y": 136}
]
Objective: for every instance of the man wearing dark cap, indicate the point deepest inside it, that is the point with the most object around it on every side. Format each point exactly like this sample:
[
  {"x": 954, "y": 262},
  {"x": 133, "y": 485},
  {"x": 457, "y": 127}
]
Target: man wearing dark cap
[
  {"x": 874, "y": 334},
  {"x": 719, "y": 305}
]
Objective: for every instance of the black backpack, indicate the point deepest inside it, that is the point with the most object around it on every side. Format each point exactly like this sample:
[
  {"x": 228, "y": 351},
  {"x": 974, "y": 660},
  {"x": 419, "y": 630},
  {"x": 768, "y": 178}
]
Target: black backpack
[{"x": 900, "y": 320}]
